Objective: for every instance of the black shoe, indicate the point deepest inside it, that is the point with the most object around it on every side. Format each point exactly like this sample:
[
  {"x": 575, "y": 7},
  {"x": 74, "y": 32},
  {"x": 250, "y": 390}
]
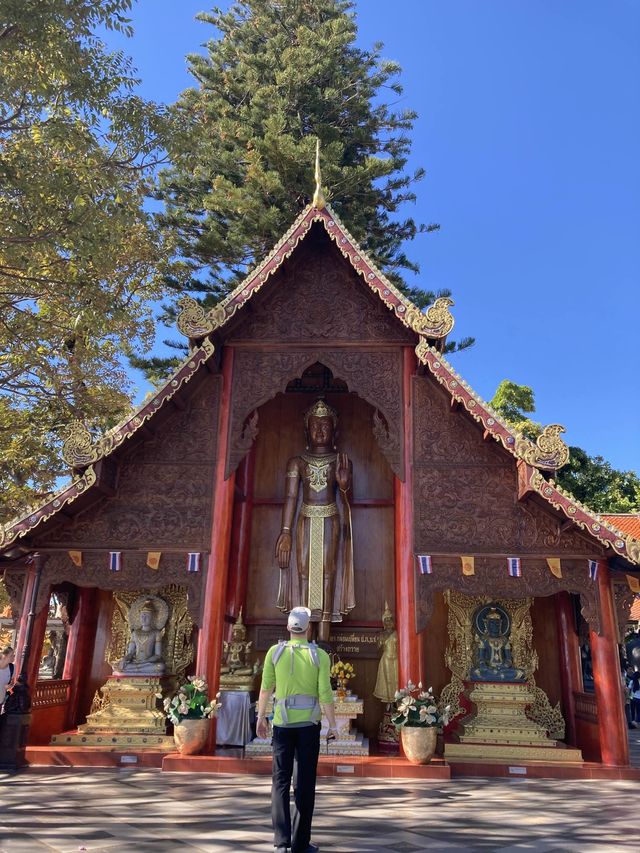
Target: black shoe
[{"x": 312, "y": 848}]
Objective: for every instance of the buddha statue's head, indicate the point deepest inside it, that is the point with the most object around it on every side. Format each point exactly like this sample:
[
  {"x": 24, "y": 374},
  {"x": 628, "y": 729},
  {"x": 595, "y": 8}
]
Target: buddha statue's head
[
  {"x": 320, "y": 424},
  {"x": 239, "y": 631},
  {"x": 387, "y": 617},
  {"x": 147, "y": 614},
  {"x": 493, "y": 623}
]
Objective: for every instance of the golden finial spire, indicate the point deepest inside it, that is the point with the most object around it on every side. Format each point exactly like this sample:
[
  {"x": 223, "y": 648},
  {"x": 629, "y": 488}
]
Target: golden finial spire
[{"x": 318, "y": 197}]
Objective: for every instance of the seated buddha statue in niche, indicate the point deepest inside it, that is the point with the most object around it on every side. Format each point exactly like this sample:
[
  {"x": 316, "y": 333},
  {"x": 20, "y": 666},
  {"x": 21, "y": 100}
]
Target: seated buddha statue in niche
[
  {"x": 147, "y": 619},
  {"x": 235, "y": 659},
  {"x": 493, "y": 660}
]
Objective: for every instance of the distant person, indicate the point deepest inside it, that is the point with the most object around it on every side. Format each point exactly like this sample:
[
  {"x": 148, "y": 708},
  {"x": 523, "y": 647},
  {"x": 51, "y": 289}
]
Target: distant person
[
  {"x": 634, "y": 687},
  {"x": 299, "y": 672},
  {"x": 7, "y": 672}
]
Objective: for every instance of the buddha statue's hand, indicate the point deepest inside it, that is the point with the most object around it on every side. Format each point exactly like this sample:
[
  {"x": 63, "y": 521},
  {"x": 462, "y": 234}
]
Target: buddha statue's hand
[
  {"x": 343, "y": 474},
  {"x": 283, "y": 549}
]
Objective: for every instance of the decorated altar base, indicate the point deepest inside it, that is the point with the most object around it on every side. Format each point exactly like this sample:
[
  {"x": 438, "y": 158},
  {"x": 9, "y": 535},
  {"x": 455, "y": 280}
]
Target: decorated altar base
[
  {"x": 348, "y": 742},
  {"x": 129, "y": 717},
  {"x": 501, "y": 729}
]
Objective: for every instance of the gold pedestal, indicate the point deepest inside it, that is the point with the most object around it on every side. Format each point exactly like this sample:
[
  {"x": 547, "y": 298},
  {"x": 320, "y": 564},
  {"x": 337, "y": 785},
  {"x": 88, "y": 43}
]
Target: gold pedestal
[
  {"x": 228, "y": 681},
  {"x": 129, "y": 716},
  {"x": 500, "y": 729}
]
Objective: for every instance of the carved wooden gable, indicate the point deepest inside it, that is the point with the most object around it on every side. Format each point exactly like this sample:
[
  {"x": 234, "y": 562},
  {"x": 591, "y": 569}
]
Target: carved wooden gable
[
  {"x": 163, "y": 488},
  {"x": 317, "y": 297},
  {"x": 466, "y": 492}
]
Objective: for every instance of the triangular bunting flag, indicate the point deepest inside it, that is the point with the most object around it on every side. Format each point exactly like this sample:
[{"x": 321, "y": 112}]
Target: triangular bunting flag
[
  {"x": 514, "y": 567},
  {"x": 634, "y": 583},
  {"x": 76, "y": 558},
  {"x": 153, "y": 559},
  {"x": 424, "y": 561},
  {"x": 468, "y": 565},
  {"x": 554, "y": 566}
]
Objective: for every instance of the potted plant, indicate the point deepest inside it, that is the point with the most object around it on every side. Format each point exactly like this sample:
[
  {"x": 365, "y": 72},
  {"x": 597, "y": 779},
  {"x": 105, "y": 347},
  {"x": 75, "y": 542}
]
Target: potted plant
[
  {"x": 417, "y": 718},
  {"x": 190, "y": 711}
]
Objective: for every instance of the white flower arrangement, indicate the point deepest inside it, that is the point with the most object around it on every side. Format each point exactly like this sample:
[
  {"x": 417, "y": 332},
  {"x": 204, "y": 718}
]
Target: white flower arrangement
[
  {"x": 191, "y": 702},
  {"x": 418, "y": 707}
]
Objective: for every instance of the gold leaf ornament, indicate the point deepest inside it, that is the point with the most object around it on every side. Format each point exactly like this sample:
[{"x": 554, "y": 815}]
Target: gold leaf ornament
[
  {"x": 436, "y": 322},
  {"x": 78, "y": 449},
  {"x": 549, "y": 452},
  {"x": 193, "y": 321}
]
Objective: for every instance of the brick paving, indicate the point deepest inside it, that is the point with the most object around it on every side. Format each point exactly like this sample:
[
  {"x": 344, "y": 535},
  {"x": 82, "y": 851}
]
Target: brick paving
[{"x": 148, "y": 811}]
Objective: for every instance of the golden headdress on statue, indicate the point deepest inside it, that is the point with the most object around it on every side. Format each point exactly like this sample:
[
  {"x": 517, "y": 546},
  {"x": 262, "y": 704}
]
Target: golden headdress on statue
[
  {"x": 321, "y": 410},
  {"x": 387, "y": 613}
]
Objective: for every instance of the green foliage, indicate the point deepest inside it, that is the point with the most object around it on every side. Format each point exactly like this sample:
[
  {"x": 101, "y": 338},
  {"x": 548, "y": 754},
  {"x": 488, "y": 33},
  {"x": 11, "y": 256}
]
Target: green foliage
[
  {"x": 594, "y": 482},
  {"x": 514, "y": 402},
  {"x": 590, "y": 479},
  {"x": 77, "y": 250},
  {"x": 275, "y": 77}
]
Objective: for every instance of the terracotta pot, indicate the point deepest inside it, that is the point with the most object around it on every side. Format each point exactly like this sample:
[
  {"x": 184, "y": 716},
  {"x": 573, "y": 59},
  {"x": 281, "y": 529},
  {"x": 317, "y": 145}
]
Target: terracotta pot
[
  {"x": 419, "y": 743},
  {"x": 190, "y": 736}
]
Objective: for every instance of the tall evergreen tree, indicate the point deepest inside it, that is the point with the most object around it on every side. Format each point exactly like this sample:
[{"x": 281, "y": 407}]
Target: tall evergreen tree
[{"x": 276, "y": 76}]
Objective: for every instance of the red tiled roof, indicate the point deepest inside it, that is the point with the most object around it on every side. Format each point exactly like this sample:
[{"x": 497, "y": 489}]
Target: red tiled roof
[{"x": 628, "y": 523}]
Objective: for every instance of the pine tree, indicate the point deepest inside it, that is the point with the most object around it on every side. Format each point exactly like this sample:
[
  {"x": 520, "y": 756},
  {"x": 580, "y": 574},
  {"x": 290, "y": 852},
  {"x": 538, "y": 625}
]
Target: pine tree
[{"x": 279, "y": 75}]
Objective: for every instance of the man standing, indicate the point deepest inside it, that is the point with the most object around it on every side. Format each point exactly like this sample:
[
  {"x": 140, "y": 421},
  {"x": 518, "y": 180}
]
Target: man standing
[{"x": 299, "y": 672}]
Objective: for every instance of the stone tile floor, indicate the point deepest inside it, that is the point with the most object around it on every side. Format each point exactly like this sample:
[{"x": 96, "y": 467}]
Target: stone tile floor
[{"x": 147, "y": 811}]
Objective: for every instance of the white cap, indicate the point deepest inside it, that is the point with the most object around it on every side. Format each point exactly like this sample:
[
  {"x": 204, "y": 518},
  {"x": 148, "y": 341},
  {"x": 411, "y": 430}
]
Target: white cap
[{"x": 298, "y": 621}]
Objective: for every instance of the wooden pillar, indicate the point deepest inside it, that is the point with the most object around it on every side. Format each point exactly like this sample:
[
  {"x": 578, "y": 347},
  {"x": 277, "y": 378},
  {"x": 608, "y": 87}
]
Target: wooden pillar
[
  {"x": 614, "y": 745},
  {"x": 80, "y": 649},
  {"x": 33, "y": 626},
  {"x": 241, "y": 536},
  {"x": 410, "y": 663},
  {"x": 213, "y": 611},
  {"x": 24, "y": 615},
  {"x": 570, "y": 668}
]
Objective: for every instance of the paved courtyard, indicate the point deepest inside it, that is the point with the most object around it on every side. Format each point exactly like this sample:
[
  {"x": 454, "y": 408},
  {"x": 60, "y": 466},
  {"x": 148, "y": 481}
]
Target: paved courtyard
[{"x": 147, "y": 811}]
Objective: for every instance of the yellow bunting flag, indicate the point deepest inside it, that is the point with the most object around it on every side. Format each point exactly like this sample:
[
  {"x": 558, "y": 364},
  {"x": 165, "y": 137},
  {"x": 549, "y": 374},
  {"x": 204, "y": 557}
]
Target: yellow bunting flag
[
  {"x": 634, "y": 583},
  {"x": 76, "y": 558},
  {"x": 468, "y": 565},
  {"x": 153, "y": 559},
  {"x": 554, "y": 566}
]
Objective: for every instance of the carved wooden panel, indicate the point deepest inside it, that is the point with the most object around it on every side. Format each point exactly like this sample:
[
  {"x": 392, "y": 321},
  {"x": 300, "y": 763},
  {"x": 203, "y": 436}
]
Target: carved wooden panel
[
  {"x": 134, "y": 575},
  {"x": 491, "y": 575},
  {"x": 623, "y": 598},
  {"x": 14, "y": 582},
  {"x": 375, "y": 375},
  {"x": 317, "y": 296},
  {"x": 164, "y": 487}
]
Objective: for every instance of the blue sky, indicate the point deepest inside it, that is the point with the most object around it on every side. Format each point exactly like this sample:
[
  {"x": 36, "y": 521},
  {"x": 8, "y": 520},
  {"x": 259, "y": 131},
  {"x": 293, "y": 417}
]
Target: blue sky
[{"x": 529, "y": 126}]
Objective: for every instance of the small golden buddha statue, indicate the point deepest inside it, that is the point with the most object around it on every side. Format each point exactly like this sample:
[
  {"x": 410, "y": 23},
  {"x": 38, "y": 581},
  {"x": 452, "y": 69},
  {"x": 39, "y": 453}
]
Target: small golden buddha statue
[{"x": 236, "y": 671}]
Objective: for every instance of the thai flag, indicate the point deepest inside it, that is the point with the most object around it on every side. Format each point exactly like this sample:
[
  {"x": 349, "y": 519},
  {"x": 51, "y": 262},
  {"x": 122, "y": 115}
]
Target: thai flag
[
  {"x": 593, "y": 569},
  {"x": 424, "y": 561},
  {"x": 193, "y": 561},
  {"x": 514, "y": 567},
  {"x": 115, "y": 560}
]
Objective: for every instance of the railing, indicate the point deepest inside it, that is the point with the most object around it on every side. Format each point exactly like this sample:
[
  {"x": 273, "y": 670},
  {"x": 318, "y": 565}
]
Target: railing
[
  {"x": 586, "y": 708},
  {"x": 49, "y": 693}
]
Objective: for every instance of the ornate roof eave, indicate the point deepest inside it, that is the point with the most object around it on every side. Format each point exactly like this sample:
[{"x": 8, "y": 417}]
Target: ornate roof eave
[
  {"x": 531, "y": 457},
  {"x": 434, "y": 324},
  {"x": 82, "y": 454}
]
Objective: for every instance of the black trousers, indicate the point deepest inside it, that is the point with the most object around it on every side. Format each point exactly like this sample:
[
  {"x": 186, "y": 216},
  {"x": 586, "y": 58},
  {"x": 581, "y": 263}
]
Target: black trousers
[{"x": 294, "y": 749}]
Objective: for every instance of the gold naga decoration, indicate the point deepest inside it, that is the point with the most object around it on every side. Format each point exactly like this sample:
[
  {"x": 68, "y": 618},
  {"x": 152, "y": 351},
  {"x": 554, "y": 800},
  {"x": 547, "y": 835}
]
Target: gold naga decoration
[
  {"x": 549, "y": 452},
  {"x": 436, "y": 322},
  {"x": 78, "y": 449},
  {"x": 194, "y": 322}
]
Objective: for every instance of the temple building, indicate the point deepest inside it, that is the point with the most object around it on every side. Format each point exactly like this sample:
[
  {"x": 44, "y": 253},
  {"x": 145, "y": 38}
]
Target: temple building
[{"x": 189, "y": 529}]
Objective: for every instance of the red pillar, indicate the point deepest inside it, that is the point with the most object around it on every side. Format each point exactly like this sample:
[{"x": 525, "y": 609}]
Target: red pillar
[
  {"x": 80, "y": 649},
  {"x": 410, "y": 663},
  {"x": 614, "y": 745},
  {"x": 213, "y": 611},
  {"x": 241, "y": 536},
  {"x": 569, "y": 662}
]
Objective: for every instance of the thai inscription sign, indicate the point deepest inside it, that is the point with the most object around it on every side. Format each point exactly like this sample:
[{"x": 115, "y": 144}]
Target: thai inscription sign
[{"x": 357, "y": 643}]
